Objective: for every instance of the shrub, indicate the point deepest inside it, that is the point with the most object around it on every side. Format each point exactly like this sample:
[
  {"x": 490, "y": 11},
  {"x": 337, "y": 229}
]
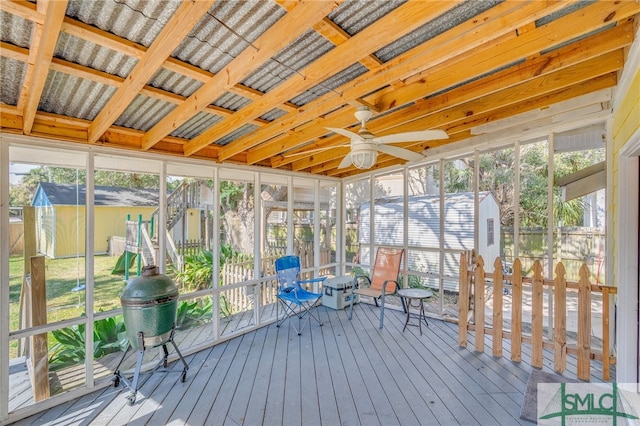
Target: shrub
[{"x": 109, "y": 335}]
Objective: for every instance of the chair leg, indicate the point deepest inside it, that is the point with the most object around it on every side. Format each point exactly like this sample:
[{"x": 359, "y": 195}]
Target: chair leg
[
  {"x": 351, "y": 305},
  {"x": 382, "y": 310}
]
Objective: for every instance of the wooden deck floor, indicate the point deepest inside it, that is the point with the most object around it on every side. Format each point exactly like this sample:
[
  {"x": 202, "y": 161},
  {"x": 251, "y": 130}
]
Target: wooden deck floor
[{"x": 343, "y": 373}]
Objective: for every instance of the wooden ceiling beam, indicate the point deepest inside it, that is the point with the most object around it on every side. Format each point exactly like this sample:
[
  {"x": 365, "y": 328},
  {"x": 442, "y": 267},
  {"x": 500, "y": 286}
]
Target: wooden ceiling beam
[
  {"x": 563, "y": 29},
  {"x": 487, "y": 27},
  {"x": 20, "y": 54},
  {"x": 24, "y": 9},
  {"x": 584, "y": 50},
  {"x": 108, "y": 40},
  {"x": 279, "y": 35},
  {"x": 43, "y": 45},
  {"x": 605, "y": 42},
  {"x": 491, "y": 57},
  {"x": 405, "y": 19},
  {"x": 336, "y": 35},
  {"x": 183, "y": 20},
  {"x": 443, "y": 118}
]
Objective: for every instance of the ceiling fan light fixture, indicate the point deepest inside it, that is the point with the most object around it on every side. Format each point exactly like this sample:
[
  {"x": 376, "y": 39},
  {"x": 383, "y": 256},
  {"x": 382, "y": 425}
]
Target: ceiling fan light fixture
[{"x": 364, "y": 159}]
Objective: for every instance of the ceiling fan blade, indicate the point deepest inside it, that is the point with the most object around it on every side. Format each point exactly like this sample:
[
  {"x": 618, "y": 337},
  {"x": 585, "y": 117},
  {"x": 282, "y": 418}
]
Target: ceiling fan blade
[
  {"x": 396, "y": 151},
  {"x": 346, "y": 161},
  {"x": 346, "y": 133},
  {"x": 422, "y": 135}
]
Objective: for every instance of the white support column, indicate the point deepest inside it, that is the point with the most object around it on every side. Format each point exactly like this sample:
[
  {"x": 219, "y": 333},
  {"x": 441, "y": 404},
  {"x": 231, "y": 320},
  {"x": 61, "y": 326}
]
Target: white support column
[
  {"x": 258, "y": 229},
  {"x": 258, "y": 232},
  {"x": 89, "y": 267},
  {"x": 372, "y": 230},
  {"x": 4, "y": 281},
  {"x": 316, "y": 230},
  {"x": 215, "y": 249},
  {"x": 516, "y": 201},
  {"x": 441, "y": 242},
  {"x": 162, "y": 219},
  {"x": 627, "y": 279},
  {"x": 550, "y": 228},
  {"x": 405, "y": 225},
  {"x": 550, "y": 224},
  {"x": 476, "y": 206},
  {"x": 341, "y": 243},
  {"x": 290, "y": 227}
]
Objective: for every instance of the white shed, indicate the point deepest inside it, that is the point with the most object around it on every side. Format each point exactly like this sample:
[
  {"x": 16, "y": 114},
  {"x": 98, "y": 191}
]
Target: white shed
[{"x": 424, "y": 224}]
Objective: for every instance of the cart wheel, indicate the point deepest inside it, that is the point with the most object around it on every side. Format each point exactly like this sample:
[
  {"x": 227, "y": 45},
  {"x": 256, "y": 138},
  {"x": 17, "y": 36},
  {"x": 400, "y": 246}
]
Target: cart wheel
[
  {"x": 184, "y": 377},
  {"x": 116, "y": 381},
  {"x": 131, "y": 399}
]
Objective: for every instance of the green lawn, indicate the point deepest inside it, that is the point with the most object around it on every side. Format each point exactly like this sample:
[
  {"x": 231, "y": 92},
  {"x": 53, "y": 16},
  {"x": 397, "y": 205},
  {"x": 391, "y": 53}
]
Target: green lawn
[{"x": 62, "y": 277}]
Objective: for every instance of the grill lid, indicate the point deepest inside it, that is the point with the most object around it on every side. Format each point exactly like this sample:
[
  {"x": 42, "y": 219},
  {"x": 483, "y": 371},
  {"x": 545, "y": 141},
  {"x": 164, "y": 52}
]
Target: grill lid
[{"x": 151, "y": 287}]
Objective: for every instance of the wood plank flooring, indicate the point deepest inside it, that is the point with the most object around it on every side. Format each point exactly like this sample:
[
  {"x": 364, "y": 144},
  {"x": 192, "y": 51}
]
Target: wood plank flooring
[{"x": 343, "y": 373}]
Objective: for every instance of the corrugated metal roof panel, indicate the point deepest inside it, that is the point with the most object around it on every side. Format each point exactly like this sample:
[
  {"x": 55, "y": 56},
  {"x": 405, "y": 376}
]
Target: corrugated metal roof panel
[
  {"x": 196, "y": 125},
  {"x": 572, "y": 7},
  {"x": 212, "y": 45},
  {"x": 73, "y": 96},
  {"x": 174, "y": 83},
  {"x": 274, "y": 114},
  {"x": 144, "y": 113},
  {"x": 11, "y": 73},
  {"x": 446, "y": 21},
  {"x": 329, "y": 84},
  {"x": 137, "y": 20},
  {"x": 15, "y": 30},
  {"x": 91, "y": 55},
  {"x": 231, "y": 101},
  {"x": 293, "y": 58},
  {"x": 246, "y": 129},
  {"x": 354, "y": 16}
]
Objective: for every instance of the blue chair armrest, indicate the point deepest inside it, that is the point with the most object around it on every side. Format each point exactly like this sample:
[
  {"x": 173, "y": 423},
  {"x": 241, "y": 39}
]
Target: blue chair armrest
[{"x": 313, "y": 280}]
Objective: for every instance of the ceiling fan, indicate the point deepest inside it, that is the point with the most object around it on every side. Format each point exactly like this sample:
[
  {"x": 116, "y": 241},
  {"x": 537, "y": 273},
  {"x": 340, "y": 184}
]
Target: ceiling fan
[{"x": 365, "y": 145}]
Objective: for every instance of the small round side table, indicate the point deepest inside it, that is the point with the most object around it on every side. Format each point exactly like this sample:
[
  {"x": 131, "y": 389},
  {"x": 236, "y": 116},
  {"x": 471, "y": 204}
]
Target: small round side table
[{"x": 414, "y": 298}]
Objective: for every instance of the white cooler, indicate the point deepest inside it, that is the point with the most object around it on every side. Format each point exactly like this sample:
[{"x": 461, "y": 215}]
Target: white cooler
[{"x": 336, "y": 292}]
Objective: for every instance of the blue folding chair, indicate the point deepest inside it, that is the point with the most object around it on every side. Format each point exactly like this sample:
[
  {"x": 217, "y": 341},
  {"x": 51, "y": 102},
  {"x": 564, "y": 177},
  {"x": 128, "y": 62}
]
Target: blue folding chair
[{"x": 292, "y": 297}]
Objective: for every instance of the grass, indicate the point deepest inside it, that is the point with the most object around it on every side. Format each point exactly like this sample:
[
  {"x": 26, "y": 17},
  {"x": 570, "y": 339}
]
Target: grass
[{"x": 64, "y": 301}]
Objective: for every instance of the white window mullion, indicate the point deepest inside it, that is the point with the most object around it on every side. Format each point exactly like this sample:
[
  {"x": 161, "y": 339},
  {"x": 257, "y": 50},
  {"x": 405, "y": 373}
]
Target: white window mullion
[
  {"x": 4, "y": 278},
  {"x": 89, "y": 267}
]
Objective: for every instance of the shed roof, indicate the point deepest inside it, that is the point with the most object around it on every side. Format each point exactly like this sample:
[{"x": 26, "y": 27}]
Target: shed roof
[
  {"x": 61, "y": 194},
  {"x": 257, "y": 81}
]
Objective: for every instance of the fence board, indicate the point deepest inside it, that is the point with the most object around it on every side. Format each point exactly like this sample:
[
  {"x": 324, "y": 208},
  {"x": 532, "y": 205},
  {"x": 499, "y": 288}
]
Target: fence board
[
  {"x": 557, "y": 306},
  {"x": 606, "y": 360},
  {"x": 516, "y": 312},
  {"x": 478, "y": 304},
  {"x": 536, "y": 316},
  {"x": 584, "y": 324},
  {"x": 463, "y": 301},
  {"x": 560, "y": 320},
  {"x": 497, "y": 308}
]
